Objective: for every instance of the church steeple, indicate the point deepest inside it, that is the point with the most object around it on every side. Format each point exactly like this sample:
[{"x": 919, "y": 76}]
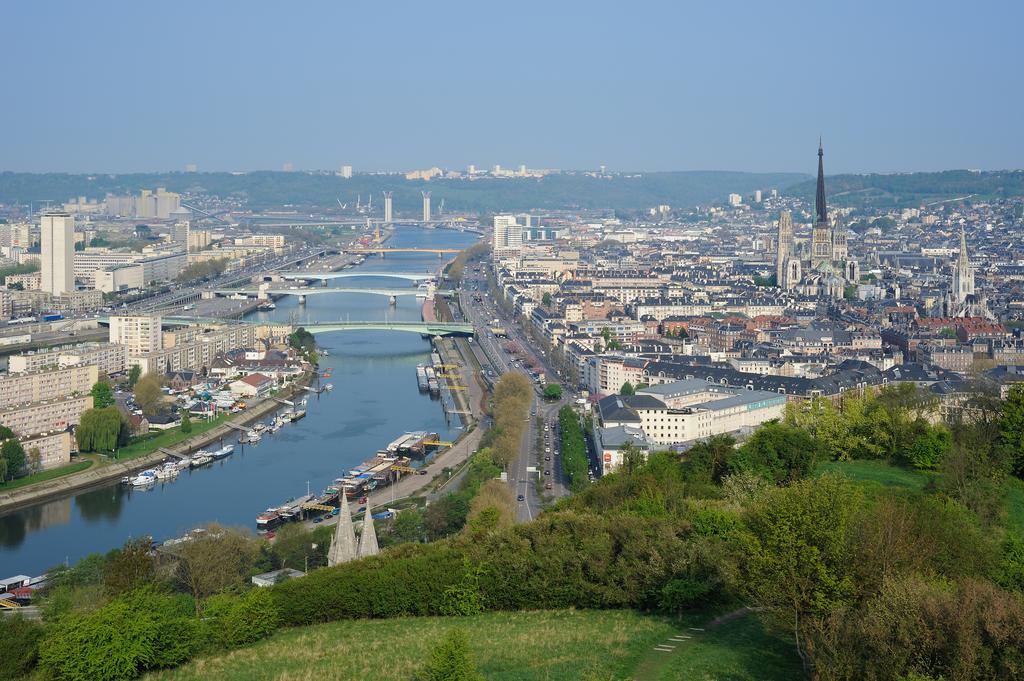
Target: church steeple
[{"x": 820, "y": 209}]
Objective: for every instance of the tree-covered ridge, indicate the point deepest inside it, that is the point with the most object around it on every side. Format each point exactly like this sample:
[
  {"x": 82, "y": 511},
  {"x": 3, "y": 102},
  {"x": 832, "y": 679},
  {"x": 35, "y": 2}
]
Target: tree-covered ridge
[
  {"x": 911, "y": 189},
  {"x": 270, "y": 188}
]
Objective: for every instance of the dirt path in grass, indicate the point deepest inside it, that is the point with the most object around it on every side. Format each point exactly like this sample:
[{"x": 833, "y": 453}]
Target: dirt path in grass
[{"x": 658, "y": 657}]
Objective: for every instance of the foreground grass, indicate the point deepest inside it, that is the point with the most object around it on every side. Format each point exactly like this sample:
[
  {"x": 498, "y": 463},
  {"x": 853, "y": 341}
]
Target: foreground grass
[
  {"x": 738, "y": 650},
  {"x": 46, "y": 475},
  {"x": 167, "y": 438},
  {"x": 560, "y": 645}
]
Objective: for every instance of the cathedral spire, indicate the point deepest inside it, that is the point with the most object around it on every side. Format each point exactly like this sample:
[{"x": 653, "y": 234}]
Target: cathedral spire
[{"x": 819, "y": 198}]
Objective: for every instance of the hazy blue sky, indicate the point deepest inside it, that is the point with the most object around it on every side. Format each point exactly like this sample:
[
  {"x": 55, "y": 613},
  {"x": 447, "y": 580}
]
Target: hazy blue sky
[{"x": 891, "y": 85}]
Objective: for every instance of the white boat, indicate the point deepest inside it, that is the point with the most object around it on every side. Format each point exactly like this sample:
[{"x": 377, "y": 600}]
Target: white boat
[
  {"x": 144, "y": 479},
  {"x": 167, "y": 471},
  {"x": 302, "y": 402},
  {"x": 328, "y": 387},
  {"x": 184, "y": 463},
  {"x": 222, "y": 452},
  {"x": 201, "y": 458}
]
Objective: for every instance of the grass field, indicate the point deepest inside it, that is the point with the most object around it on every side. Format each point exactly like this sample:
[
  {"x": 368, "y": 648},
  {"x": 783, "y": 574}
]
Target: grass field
[
  {"x": 738, "y": 650},
  {"x": 167, "y": 438},
  {"x": 876, "y": 473},
  {"x": 879, "y": 474},
  {"x": 561, "y": 645},
  {"x": 46, "y": 475}
]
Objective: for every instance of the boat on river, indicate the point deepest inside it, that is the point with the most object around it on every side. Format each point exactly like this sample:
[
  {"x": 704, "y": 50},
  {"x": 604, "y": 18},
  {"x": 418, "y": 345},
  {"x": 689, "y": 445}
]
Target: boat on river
[
  {"x": 224, "y": 451},
  {"x": 144, "y": 479},
  {"x": 201, "y": 458}
]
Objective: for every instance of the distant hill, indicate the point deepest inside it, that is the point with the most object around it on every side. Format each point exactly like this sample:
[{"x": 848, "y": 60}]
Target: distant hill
[
  {"x": 913, "y": 189},
  {"x": 556, "y": 191}
]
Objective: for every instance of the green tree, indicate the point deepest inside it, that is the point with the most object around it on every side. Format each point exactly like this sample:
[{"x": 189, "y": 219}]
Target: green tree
[
  {"x": 128, "y": 568},
  {"x": 13, "y": 455},
  {"x": 19, "y": 646},
  {"x": 133, "y": 375},
  {"x": 451, "y": 660},
  {"x": 552, "y": 391},
  {"x": 546, "y": 300},
  {"x": 186, "y": 422},
  {"x": 1011, "y": 429},
  {"x": 149, "y": 394},
  {"x": 102, "y": 395},
  {"x": 627, "y": 389},
  {"x": 101, "y": 430},
  {"x": 930, "y": 447},
  {"x": 795, "y": 555},
  {"x": 779, "y": 452},
  {"x": 214, "y": 561}
]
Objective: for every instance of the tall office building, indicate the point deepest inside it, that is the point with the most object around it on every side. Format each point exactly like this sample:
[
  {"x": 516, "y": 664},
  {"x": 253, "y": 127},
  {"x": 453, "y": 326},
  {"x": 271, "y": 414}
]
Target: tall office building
[
  {"x": 426, "y": 206},
  {"x": 182, "y": 225},
  {"x": 388, "y": 214},
  {"x": 57, "y": 239},
  {"x": 346, "y": 172}
]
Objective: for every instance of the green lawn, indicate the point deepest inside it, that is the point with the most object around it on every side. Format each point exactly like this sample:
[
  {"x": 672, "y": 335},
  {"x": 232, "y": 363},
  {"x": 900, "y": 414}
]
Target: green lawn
[
  {"x": 561, "y": 645},
  {"x": 876, "y": 473},
  {"x": 150, "y": 443},
  {"x": 46, "y": 475},
  {"x": 1014, "y": 504},
  {"x": 738, "y": 650}
]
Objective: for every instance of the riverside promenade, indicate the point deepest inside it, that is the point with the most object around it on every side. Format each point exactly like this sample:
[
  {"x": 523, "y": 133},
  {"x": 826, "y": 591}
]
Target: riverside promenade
[{"x": 103, "y": 474}]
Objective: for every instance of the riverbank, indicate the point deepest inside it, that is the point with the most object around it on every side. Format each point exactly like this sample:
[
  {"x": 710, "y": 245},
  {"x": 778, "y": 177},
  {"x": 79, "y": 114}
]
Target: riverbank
[{"x": 96, "y": 476}]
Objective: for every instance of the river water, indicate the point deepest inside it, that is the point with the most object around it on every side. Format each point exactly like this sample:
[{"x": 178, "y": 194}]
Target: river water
[{"x": 375, "y": 399}]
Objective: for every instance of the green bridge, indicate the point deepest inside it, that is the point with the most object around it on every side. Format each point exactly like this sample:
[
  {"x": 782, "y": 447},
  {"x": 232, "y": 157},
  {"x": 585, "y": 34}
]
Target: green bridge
[{"x": 422, "y": 328}]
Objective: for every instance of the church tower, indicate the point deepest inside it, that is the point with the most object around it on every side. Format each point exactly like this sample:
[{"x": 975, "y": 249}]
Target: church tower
[
  {"x": 821, "y": 236},
  {"x": 785, "y": 248},
  {"x": 963, "y": 276}
]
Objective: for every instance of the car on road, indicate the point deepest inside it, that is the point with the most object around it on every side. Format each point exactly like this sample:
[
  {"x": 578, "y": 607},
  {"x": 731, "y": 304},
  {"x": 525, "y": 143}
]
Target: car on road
[
  {"x": 547, "y": 458},
  {"x": 547, "y": 485},
  {"x": 547, "y": 471},
  {"x": 520, "y": 498}
]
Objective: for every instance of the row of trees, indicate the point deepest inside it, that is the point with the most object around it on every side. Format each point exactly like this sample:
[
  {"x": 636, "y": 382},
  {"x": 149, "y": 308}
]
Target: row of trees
[
  {"x": 510, "y": 407},
  {"x": 574, "y": 449},
  {"x": 204, "y": 269}
]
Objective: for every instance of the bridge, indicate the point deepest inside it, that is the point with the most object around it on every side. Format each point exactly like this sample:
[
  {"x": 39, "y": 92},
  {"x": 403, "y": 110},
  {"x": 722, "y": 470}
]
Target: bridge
[
  {"x": 391, "y": 293},
  {"x": 384, "y": 251},
  {"x": 422, "y": 328},
  {"x": 325, "y": 276}
]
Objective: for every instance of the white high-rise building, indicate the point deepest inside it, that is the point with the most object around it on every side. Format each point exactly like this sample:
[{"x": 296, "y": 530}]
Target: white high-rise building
[
  {"x": 735, "y": 199},
  {"x": 138, "y": 333},
  {"x": 346, "y": 172},
  {"x": 426, "y": 206},
  {"x": 388, "y": 210},
  {"x": 508, "y": 233},
  {"x": 57, "y": 240}
]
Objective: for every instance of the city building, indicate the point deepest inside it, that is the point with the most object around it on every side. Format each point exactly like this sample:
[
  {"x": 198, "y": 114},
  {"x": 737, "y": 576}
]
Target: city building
[
  {"x": 48, "y": 384},
  {"x": 139, "y": 334},
  {"x": 57, "y": 240},
  {"x": 108, "y": 358}
]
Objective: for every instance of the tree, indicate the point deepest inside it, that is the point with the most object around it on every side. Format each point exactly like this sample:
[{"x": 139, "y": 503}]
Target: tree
[
  {"x": 627, "y": 389},
  {"x": 546, "y": 300},
  {"x": 130, "y": 567},
  {"x": 101, "y": 430},
  {"x": 186, "y": 423},
  {"x": 133, "y": 375},
  {"x": 552, "y": 391},
  {"x": 102, "y": 395},
  {"x": 450, "y": 660},
  {"x": 930, "y": 447},
  {"x": 214, "y": 560},
  {"x": 13, "y": 455},
  {"x": 795, "y": 555},
  {"x": 780, "y": 452},
  {"x": 1011, "y": 430},
  {"x": 149, "y": 394},
  {"x": 35, "y": 460}
]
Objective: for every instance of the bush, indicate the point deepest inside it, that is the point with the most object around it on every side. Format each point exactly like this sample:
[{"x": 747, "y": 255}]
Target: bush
[
  {"x": 19, "y": 646},
  {"x": 139, "y": 631},
  {"x": 240, "y": 620}
]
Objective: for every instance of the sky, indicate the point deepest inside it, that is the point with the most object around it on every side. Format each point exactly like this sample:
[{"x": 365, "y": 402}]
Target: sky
[{"x": 896, "y": 85}]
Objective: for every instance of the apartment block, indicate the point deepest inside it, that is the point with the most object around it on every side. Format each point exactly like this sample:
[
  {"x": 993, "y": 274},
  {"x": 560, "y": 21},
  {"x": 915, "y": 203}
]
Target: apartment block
[
  {"x": 39, "y": 386},
  {"x": 138, "y": 333},
  {"x": 108, "y": 357},
  {"x": 48, "y": 415}
]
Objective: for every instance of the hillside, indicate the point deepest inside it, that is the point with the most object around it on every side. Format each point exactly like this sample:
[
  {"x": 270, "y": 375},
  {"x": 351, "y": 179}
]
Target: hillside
[
  {"x": 914, "y": 189},
  {"x": 524, "y": 646},
  {"x": 265, "y": 188}
]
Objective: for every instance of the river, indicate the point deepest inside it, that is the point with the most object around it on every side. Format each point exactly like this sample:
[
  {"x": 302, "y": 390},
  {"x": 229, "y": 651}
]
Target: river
[{"x": 375, "y": 399}]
